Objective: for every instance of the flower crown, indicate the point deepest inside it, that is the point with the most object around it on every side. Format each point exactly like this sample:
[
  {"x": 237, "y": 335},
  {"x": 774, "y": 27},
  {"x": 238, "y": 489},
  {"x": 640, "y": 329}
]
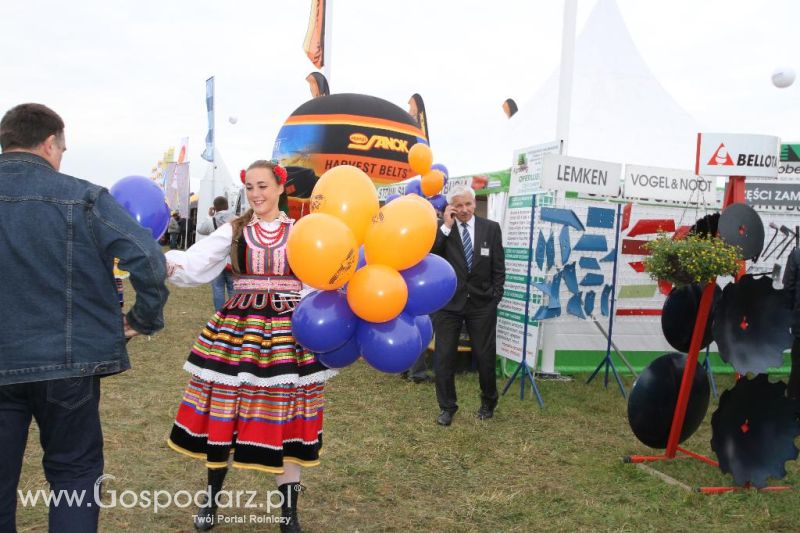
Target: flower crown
[{"x": 277, "y": 169}]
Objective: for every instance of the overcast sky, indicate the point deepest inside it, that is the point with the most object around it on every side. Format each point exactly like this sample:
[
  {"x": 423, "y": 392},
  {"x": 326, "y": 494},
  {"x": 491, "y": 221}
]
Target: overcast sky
[{"x": 128, "y": 77}]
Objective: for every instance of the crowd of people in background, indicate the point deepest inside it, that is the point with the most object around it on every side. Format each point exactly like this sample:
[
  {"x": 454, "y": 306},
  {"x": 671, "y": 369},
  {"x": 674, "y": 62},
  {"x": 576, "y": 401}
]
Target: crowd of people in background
[{"x": 180, "y": 233}]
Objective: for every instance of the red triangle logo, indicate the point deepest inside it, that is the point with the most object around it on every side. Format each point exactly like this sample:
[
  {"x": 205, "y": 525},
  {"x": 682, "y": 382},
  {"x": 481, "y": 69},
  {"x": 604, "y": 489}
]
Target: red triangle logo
[{"x": 721, "y": 157}]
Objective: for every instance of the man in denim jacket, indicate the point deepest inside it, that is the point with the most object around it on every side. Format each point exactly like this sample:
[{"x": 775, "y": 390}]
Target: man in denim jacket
[{"x": 61, "y": 327}]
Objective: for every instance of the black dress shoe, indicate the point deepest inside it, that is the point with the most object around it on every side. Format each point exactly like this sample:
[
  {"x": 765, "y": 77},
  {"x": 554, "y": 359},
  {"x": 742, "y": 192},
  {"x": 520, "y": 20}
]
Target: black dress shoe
[
  {"x": 485, "y": 412},
  {"x": 206, "y": 518},
  {"x": 445, "y": 418},
  {"x": 421, "y": 379}
]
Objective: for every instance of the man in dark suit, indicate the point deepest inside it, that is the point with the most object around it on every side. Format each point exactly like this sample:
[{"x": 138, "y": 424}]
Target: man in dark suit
[
  {"x": 474, "y": 247},
  {"x": 791, "y": 286}
]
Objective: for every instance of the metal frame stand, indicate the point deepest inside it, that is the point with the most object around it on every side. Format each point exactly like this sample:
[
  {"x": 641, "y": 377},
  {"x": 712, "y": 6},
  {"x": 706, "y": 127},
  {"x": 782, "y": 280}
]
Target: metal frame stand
[
  {"x": 711, "y": 380},
  {"x": 607, "y": 361},
  {"x": 734, "y": 193}
]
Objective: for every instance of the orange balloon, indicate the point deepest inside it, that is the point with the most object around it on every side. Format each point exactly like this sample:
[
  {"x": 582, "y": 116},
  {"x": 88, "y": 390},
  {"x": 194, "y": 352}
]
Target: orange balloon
[
  {"x": 420, "y": 158},
  {"x": 402, "y": 233},
  {"x": 377, "y": 293},
  {"x": 412, "y": 197},
  {"x": 432, "y": 182},
  {"x": 322, "y": 251},
  {"x": 347, "y": 193}
]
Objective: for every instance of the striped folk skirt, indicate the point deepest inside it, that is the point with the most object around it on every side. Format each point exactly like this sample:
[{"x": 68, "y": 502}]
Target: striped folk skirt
[{"x": 254, "y": 394}]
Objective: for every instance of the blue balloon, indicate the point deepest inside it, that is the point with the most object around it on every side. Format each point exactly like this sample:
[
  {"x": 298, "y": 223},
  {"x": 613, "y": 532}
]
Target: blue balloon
[
  {"x": 414, "y": 187},
  {"x": 362, "y": 262},
  {"x": 425, "y": 327},
  {"x": 323, "y": 321},
  {"x": 342, "y": 356},
  {"x": 431, "y": 284},
  {"x": 439, "y": 202},
  {"x": 393, "y": 196},
  {"x": 362, "y": 258},
  {"x": 391, "y": 346},
  {"x": 443, "y": 169},
  {"x": 144, "y": 201}
]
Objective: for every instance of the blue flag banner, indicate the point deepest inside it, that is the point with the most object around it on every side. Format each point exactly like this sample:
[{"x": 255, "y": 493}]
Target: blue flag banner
[{"x": 208, "y": 154}]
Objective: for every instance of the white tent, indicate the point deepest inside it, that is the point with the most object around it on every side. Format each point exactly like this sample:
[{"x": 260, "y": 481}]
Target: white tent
[
  {"x": 619, "y": 112},
  {"x": 216, "y": 182}
]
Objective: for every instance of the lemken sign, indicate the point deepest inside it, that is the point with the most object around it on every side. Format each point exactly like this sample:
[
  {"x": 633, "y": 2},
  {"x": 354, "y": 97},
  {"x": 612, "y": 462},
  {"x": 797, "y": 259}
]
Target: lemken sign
[
  {"x": 580, "y": 175},
  {"x": 650, "y": 183},
  {"x": 733, "y": 154}
]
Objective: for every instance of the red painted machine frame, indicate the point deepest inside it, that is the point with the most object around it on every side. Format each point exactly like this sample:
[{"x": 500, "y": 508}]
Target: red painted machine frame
[{"x": 734, "y": 193}]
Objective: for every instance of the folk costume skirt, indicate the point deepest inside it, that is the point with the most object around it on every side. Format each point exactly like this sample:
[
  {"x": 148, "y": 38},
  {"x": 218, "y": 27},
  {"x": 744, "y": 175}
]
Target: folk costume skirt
[{"x": 254, "y": 393}]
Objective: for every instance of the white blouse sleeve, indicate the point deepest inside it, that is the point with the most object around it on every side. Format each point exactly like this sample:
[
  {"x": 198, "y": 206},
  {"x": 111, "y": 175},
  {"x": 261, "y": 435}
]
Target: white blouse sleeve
[
  {"x": 204, "y": 261},
  {"x": 306, "y": 290}
]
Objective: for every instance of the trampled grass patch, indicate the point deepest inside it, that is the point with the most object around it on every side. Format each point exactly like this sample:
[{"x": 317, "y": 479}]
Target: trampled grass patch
[{"x": 387, "y": 466}]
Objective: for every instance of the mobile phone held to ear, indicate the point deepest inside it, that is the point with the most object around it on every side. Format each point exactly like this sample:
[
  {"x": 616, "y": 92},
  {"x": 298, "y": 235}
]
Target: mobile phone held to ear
[{"x": 452, "y": 215}]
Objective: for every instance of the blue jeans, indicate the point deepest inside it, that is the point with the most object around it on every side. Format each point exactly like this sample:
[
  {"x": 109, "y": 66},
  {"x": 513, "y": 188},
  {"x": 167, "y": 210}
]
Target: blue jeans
[
  {"x": 218, "y": 286},
  {"x": 66, "y": 411}
]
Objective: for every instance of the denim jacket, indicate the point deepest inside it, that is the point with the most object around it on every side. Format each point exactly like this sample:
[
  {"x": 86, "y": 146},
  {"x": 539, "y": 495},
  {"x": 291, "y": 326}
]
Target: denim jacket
[{"x": 59, "y": 308}]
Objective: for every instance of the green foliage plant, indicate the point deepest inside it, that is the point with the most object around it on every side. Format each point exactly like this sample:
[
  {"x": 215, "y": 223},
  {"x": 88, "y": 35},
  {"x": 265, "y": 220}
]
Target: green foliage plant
[{"x": 691, "y": 259}]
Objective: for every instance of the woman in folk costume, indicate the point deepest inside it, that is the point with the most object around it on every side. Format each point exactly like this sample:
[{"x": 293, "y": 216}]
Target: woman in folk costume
[{"x": 255, "y": 397}]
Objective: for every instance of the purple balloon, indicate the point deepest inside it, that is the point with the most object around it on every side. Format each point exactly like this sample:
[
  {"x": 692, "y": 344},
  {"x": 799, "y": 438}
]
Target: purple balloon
[
  {"x": 443, "y": 169},
  {"x": 393, "y": 196},
  {"x": 425, "y": 327},
  {"x": 431, "y": 284},
  {"x": 414, "y": 187},
  {"x": 144, "y": 201},
  {"x": 439, "y": 202},
  {"x": 362, "y": 258},
  {"x": 323, "y": 321},
  {"x": 391, "y": 346},
  {"x": 362, "y": 261},
  {"x": 344, "y": 355}
]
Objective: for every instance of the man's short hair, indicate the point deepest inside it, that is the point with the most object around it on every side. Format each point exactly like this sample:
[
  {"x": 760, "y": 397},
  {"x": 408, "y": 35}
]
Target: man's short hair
[
  {"x": 28, "y": 126},
  {"x": 459, "y": 190},
  {"x": 220, "y": 203}
]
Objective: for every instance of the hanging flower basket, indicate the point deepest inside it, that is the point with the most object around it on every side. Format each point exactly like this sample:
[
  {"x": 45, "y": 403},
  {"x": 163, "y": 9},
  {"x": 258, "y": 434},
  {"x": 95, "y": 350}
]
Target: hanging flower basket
[{"x": 692, "y": 259}]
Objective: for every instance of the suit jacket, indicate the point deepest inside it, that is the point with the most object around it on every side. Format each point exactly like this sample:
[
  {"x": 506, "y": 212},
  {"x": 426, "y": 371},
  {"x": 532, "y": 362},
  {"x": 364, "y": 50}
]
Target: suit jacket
[{"x": 484, "y": 283}]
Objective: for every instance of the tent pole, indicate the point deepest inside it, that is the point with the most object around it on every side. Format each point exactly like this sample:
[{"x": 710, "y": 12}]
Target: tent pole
[{"x": 566, "y": 71}]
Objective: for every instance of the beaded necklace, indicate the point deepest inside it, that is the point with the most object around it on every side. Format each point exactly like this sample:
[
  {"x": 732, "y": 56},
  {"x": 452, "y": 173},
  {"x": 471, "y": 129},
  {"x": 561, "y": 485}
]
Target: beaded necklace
[{"x": 267, "y": 237}]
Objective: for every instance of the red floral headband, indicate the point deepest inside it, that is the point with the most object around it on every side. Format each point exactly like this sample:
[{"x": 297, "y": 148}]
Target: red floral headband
[
  {"x": 280, "y": 173},
  {"x": 278, "y": 170}
]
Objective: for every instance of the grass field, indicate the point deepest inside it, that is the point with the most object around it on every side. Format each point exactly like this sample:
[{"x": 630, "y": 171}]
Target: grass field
[{"x": 387, "y": 466}]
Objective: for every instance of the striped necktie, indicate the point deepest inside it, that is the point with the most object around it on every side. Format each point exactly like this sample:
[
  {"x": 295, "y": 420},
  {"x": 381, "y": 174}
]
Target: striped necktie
[{"x": 465, "y": 239}]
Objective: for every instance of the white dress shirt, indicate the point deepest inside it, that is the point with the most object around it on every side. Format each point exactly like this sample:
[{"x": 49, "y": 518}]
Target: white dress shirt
[{"x": 470, "y": 229}]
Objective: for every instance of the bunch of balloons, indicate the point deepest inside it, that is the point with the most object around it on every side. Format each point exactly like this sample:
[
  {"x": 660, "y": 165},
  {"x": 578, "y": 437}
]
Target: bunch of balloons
[
  {"x": 144, "y": 201},
  {"x": 433, "y": 177},
  {"x": 377, "y": 282}
]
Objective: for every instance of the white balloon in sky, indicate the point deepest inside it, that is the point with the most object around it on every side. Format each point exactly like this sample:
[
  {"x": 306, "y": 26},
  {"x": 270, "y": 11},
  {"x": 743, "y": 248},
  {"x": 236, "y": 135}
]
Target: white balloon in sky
[
  {"x": 233, "y": 120},
  {"x": 783, "y": 77}
]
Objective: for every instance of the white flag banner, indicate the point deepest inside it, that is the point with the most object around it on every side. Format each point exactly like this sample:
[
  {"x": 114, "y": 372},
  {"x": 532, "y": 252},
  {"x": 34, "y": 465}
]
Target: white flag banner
[
  {"x": 208, "y": 153},
  {"x": 176, "y": 190}
]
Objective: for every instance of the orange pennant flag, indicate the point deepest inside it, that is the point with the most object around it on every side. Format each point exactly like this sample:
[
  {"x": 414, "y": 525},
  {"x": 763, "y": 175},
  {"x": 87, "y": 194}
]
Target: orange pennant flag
[{"x": 314, "y": 43}]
